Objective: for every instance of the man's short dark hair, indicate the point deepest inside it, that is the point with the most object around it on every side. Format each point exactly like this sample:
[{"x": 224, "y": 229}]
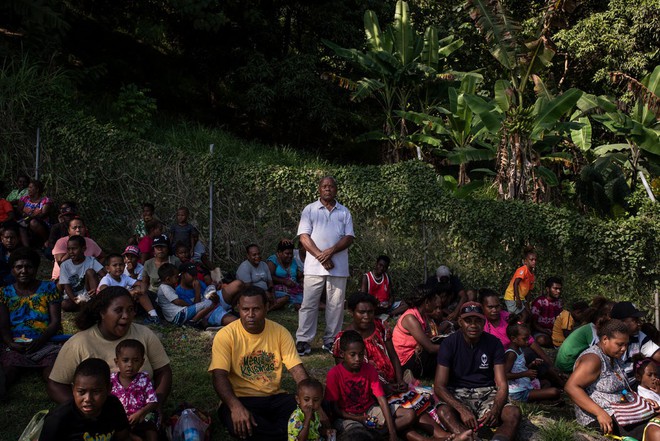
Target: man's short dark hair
[
  {"x": 552, "y": 280},
  {"x": 252, "y": 291}
]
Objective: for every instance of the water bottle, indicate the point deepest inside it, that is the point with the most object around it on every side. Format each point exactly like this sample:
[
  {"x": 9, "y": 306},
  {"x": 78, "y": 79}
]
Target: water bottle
[
  {"x": 626, "y": 397},
  {"x": 187, "y": 420}
]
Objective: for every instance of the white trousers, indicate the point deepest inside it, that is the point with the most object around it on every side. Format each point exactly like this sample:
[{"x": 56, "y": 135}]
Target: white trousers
[{"x": 309, "y": 310}]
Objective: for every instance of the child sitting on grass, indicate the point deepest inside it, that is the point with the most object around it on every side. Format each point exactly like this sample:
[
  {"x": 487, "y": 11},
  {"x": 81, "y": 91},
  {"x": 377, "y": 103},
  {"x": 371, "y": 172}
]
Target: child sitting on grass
[
  {"x": 114, "y": 266},
  {"x": 357, "y": 396},
  {"x": 175, "y": 309},
  {"x": 305, "y": 423},
  {"x": 567, "y": 321},
  {"x": 523, "y": 384},
  {"x": 646, "y": 373},
  {"x": 135, "y": 390},
  {"x": 182, "y": 251},
  {"x": 377, "y": 283},
  {"x": 79, "y": 275},
  {"x": 93, "y": 413},
  {"x": 132, "y": 266}
]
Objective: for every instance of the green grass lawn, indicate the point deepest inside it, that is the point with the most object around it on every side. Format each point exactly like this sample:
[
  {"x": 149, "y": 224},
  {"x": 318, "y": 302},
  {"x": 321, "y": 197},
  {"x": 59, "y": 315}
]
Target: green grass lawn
[{"x": 190, "y": 353}]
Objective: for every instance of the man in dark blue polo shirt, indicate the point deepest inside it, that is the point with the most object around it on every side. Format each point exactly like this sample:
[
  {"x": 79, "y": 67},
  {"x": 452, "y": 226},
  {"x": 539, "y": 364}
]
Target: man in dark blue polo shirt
[{"x": 470, "y": 379}]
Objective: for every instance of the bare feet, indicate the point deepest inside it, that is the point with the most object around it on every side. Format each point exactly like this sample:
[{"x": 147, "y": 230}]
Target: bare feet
[{"x": 468, "y": 435}]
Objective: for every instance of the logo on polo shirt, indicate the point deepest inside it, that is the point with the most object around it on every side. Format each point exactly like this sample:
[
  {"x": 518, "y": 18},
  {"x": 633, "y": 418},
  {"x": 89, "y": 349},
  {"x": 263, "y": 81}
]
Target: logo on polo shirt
[{"x": 484, "y": 362}]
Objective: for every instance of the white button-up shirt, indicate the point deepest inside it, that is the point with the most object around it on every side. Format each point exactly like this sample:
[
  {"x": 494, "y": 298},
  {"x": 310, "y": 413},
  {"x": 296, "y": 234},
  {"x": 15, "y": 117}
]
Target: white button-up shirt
[{"x": 326, "y": 228}]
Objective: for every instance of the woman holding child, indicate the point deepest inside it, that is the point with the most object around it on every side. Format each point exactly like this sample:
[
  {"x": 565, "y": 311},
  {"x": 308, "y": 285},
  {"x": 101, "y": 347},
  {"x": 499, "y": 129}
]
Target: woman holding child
[
  {"x": 598, "y": 385},
  {"x": 29, "y": 317},
  {"x": 105, "y": 321}
]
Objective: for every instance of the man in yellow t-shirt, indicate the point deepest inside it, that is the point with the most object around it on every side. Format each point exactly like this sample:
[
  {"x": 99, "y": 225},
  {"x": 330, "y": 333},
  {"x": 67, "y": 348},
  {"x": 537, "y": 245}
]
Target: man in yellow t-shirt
[{"x": 246, "y": 362}]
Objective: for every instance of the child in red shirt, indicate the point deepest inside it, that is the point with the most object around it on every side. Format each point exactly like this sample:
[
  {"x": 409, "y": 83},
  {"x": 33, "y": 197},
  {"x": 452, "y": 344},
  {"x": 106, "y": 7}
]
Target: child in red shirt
[{"x": 357, "y": 396}]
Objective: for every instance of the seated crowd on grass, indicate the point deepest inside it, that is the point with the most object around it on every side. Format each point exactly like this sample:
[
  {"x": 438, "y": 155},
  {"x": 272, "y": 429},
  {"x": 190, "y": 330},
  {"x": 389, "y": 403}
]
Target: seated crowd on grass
[{"x": 443, "y": 362}]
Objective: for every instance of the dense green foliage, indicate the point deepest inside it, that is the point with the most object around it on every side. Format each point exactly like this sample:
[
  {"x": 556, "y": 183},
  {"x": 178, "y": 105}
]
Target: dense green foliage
[{"x": 399, "y": 209}]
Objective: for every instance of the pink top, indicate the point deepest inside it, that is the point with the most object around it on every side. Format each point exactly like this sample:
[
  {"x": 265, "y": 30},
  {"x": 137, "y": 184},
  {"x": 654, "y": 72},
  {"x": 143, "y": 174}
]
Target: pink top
[
  {"x": 499, "y": 331},
  {"x": 404, "y": 343},
  {"x": 353, "y": 392},
  {"x": 144, "y": 245},
  {"x": 91, "y": 249},
  {"x": 137, "y": 395}
]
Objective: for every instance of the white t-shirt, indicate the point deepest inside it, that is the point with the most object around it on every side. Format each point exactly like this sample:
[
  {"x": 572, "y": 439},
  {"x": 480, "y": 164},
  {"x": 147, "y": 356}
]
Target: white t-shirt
[
  {"x": 74, "y": 274},
  {"x": 198, "y": 251},
  {"x": 138, "y": 270},
  {"x": 166, "y": 297},
  {"x": 326, "y": 228},
  {"x": 125, "y": 281},
  {"x": 648, "y": 394}
]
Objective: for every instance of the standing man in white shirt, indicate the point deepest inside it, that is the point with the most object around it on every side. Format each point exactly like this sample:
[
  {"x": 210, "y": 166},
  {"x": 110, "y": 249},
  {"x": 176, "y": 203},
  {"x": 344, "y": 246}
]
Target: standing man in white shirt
[{"x": 326, "y": 232}]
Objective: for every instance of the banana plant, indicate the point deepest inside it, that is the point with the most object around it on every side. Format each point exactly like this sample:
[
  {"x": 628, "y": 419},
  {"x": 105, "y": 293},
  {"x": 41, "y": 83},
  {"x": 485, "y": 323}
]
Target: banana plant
[
  {"x": 518, "y": 123},
  {"x": 527, "y": 137},
  {"x": 639, "y": 128},
  {"x": 403, "y": 70},
  {"x": 455, "y": 132}
]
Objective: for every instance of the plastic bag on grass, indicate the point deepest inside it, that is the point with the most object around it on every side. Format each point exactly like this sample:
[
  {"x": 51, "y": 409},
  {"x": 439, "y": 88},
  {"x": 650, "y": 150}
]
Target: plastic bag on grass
[
  {"x": 33, "y": 429},
  {"x": 188, "y": 424}
]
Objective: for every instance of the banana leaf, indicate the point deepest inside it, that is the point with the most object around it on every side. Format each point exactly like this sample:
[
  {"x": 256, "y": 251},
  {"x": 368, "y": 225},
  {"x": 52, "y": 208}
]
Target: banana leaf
[
  {"x": 552, "y": 112},
  {"x": 490, "y": 117},
  {"x": 469, "y": 188},
  {"x": 547, "y": 176},
  {"x": 502, "y": 94},
  {"x": 403, "y": 33},
  {"x": 499, "y": 30},
  {"x": 430, "y": 49},
  {"x": 372, "y": 30},
  {"x": 582, "y": 137},
  {"x": 609, "y": 148}
]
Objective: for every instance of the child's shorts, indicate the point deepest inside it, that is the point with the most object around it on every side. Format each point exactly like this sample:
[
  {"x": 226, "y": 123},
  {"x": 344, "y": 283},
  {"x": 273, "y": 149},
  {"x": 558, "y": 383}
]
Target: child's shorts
[
  {"x": 186, "y": 314},
  {"x": 522, "y": 396},
  {"x": 375, "y": 412},
  {"x": 215, "y": 319},
  {"x": 512, "y": 308}
]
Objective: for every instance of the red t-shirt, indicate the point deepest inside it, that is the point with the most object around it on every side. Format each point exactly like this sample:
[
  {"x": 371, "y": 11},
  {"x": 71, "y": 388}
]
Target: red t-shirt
[
  {"x": 375, "y": 352},
  {"x": 353, "y": 392},
  {"x": 545, "y": 310},
  {"x": 5, "y": 209}
]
